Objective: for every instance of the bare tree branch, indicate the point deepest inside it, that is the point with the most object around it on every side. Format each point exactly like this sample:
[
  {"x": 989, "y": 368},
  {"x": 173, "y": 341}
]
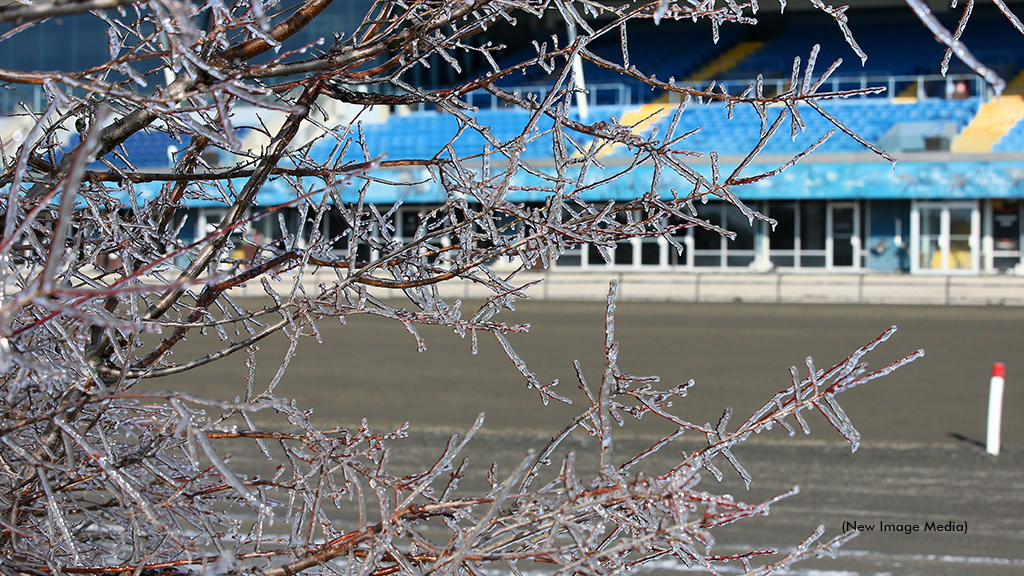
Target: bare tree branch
[{"x": 276, "y": 171}]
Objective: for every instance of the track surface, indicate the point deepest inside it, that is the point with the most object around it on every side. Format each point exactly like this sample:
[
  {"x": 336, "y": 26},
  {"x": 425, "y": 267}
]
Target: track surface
[{"x": 921, "y": 459}]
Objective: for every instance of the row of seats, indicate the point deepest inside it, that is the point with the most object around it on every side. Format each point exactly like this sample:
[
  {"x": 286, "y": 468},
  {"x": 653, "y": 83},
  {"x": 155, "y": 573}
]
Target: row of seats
[
  {"x": 144, "y": 150},
  {"x": 1012, "y": 141},
  {"x": 424, "y": 134},
  {"x": 870, "y": 118}
]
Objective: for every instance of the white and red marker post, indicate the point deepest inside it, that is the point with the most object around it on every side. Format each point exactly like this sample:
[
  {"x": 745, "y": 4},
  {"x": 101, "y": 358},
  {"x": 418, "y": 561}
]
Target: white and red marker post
[{"x": 995, "y": 408}]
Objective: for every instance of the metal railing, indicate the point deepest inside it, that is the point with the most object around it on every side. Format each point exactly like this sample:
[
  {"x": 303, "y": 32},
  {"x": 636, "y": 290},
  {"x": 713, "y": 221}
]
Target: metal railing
[
  {"x": 605, "y": 94},
  {"x": 921, "y": 86},
  {"x": 621, "y": 94}
]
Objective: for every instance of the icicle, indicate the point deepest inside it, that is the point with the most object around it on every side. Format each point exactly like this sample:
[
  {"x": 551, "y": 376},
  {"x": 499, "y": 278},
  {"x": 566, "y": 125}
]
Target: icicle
[{"x": 660, "y": 11}]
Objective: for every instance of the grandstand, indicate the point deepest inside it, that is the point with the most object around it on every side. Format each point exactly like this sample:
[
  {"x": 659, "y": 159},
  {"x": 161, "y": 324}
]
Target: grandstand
[{"x": 952, "y": 204}]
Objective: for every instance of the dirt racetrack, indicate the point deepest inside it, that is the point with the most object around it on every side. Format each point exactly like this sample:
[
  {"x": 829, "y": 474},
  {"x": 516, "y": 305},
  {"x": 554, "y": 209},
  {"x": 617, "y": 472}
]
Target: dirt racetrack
[{"x": 921, "y": 462}]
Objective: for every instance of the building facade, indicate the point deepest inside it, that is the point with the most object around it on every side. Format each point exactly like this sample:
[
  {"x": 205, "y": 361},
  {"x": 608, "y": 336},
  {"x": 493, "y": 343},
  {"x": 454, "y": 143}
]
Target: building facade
[{"x": 932, "y": 213}]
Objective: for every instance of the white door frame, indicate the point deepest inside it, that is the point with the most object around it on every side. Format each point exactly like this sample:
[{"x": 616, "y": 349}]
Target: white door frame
[
  {"x": 944, "y": 207},
  {"x": 209, "y": 219}
]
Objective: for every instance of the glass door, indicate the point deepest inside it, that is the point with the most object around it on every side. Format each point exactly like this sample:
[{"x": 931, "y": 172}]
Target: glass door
[
  {"x": 945, "y": 237},
  {"x": 929, "y": 255},
  {"x": 1005, "y": 230},
  {"x": 843, "y": 235},
  {"x": 961, "y": 238}
]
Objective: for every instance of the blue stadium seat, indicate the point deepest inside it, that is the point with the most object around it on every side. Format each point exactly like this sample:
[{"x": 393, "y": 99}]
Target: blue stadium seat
[
  {"x": 1012, "y": 141},
  {"x": 144, "y": 150},
  {"x": 422, "y": 134},
  {"x": 871, "y": 118}
]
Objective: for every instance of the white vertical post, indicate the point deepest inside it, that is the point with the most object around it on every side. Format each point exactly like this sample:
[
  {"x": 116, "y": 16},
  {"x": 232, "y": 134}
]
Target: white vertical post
[
  {"x": 995, "y": 408},
  {"x": 577, "y": 71}
]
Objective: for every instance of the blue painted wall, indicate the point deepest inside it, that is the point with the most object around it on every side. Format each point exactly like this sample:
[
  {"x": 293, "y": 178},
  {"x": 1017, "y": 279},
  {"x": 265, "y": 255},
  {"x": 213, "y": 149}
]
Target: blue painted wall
[{"x": 888, "y": 235}]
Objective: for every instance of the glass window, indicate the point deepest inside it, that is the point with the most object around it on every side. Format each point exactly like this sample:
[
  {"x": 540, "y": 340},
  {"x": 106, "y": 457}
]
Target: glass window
[
  {"x": 570, "y": 258},
  {"x": 739, "y": 260},
  {"x": 713, "y": 249},
  {"x": 782, "y": 238},
  {"x": 740, "y": 224},
  {"x": 623, "y": 250},
  {"x": 812, "y": 225},
  {"x": 675, "y": 257},
  {"x": 784, "y": 234},
  {"x": 812, "y": 260},
  {"x": 1006, "y": 224},
  {"x": 707, "y": 244},
  {"x": 960, "y": 254},
  {"x": 704, "y": 239},
  {"x": 783, "y": 260},
  {"x": 188, "y": 229},
  {"x": 409, "y": 221},
  {"x": 623, "y": 253},
  {"x": 707, "y": 260},
  {"x": 288, "y": 216},
  {"x": 843, "y": 227},
  {"x": 800, "y": 235},
  {"x": 650, "y": 252},
  {"x": 336, "y": 228},
  {"x": 363, "y": 253}
]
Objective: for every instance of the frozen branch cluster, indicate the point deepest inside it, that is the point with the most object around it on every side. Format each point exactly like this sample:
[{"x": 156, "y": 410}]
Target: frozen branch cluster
[{"x": 97, "y": 477}]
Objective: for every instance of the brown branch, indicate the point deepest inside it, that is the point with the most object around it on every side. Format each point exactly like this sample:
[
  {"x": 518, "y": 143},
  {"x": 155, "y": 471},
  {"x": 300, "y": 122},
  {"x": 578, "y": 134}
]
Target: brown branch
[
  {"x": 116, "y": 133},
  {"x": 206, "y": 298},
  {"x": 348, "y": 57},
  {"x": 140, "y": 176},
  {"x": 325, "y": 553},
  {"x": 217, "y": 435},
  {"x": 185, "y": 168},
  {"x": 244, "y": 200},
  {"x": 251, "y": 48},
  {"x": 21, "y": 13}
]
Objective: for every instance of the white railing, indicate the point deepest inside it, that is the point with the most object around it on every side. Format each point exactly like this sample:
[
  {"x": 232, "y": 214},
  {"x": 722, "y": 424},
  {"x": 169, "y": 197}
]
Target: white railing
[
  {"x": 612, "y": 94},
  {"x": 922, "y": 86},
  {"x": 621, "y": 94}
]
